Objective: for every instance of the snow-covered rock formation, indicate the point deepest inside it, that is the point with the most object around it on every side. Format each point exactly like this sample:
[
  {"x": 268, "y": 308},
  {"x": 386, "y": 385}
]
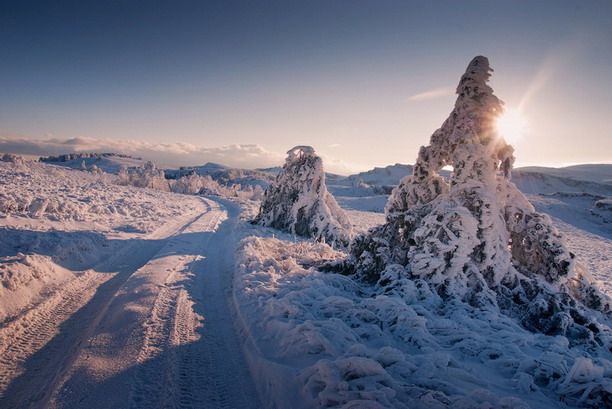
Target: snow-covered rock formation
[
  {"x": 298, "y": 201},
  {"x": 476, "y": 237}
]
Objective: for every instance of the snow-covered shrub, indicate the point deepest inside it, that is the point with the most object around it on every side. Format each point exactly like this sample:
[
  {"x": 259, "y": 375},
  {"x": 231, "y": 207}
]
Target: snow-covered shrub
[
  {"x": 298, "y": 201},
  {"x": 603, "y": 209},
  {"x": 146, "y": 175},
  {"x": 190, "y": 185},
  {"x": 54, "y": 193},
  {"x": 476, "y": 238},
  {"x": 195, "y": 184},
  {"x": 18, "y": 161}
]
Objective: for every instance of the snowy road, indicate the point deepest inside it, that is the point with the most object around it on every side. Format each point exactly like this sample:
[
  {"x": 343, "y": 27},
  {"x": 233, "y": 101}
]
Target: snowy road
[{"x": 157, "y": 333}]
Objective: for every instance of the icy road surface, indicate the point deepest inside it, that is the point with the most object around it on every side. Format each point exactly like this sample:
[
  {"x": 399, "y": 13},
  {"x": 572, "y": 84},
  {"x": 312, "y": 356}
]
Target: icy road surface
[{"x": 157, "y": 333}]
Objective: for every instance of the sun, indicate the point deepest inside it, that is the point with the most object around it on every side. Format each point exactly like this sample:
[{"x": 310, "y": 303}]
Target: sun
[{"x": 512, "y": 125}]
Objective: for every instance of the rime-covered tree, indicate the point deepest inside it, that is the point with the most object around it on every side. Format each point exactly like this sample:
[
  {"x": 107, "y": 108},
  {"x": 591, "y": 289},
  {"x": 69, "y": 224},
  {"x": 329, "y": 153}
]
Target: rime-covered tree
[
  {"x": 298, "y": 201},
  {"x": 475, "y": 236}
]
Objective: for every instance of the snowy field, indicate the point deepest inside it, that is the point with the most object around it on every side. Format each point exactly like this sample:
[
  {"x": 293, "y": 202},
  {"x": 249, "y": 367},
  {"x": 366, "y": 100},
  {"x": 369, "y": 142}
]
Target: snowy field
[
  {"x": 352, "y": 345},
  {"x": 105, "y": 291},
  {"x": 115, "y": 296}
]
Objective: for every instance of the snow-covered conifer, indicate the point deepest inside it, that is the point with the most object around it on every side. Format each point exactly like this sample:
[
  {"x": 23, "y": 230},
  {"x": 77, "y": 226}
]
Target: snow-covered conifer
[
  {"x": 475, "y": 236},
  {"x": 298, "y": 201}
]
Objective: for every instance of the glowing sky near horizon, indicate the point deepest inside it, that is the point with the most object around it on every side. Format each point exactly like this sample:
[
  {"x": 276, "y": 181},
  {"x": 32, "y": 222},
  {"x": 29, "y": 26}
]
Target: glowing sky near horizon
[{"x": 364, "y": 82}]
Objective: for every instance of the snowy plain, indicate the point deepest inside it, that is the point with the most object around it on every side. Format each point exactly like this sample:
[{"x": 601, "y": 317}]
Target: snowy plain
[{"x": 117, "y": 296}]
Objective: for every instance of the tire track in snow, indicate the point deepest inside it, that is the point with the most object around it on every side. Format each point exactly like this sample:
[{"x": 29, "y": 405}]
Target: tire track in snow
[
  {"x": 202, "y": 365},
  {"x": 31, "y": 331},
  {"x": 45, "y": 341},
  {"x": 172, "y": 324}
]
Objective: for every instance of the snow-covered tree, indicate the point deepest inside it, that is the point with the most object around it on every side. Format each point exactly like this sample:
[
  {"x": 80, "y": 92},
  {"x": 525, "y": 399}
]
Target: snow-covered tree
[
  {"x": 475, "y": 236},
  {"x": 298, "y": 201}
]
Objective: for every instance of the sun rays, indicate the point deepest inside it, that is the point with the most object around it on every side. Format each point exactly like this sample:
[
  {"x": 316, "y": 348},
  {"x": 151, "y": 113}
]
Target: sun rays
[{"x": 512, "y": 125}]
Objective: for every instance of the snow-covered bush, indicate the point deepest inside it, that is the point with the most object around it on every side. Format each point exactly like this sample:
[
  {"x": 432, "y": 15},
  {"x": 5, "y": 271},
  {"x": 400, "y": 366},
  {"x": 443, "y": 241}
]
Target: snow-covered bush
[
  {"x": 476, "y": 238},
  {"x": 195, "y": 184},
  {"x": 50, "y": 192},
  {"x": 603, "y": 209},
  {"x": 298, "y": 201},
  {"x": 17, "y": 161},
  {"x": 146, "y": 175}
]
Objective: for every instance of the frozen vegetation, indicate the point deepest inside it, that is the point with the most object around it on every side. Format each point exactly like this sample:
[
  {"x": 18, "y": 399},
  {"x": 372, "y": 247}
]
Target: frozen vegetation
[{"x": 298, "y": 201}]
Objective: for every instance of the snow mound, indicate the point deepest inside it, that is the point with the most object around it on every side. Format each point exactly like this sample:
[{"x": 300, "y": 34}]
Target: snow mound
[
  {"x": 477, "y": 238},
  {"x": 298, "y": 201}
]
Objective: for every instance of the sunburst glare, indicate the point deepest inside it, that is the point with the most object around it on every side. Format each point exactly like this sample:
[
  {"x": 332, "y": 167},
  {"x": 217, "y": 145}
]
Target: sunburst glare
[{"x": 512, "y": 125}]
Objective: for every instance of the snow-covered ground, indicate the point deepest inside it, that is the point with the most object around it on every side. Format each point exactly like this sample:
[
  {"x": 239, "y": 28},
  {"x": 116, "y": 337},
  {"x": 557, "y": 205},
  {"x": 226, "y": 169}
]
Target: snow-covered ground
[
  {"x": 115, "y": 296},
  {"x": 343, "y": 343}
]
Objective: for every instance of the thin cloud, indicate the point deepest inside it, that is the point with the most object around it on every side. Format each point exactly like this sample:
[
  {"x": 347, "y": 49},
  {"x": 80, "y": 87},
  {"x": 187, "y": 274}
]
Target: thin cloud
[{"x": 431, "y": 94}]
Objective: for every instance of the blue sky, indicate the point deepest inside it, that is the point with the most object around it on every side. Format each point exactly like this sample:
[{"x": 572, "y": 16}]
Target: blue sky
[{"x": 364, "y": 82}]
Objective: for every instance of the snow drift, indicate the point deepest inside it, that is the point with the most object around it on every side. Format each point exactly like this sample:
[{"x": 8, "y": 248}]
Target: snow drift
[{"x": 298, "y": 201}]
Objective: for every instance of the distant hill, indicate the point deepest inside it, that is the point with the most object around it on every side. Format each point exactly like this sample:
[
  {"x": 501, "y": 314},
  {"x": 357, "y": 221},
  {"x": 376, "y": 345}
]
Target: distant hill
[
  {"x": 598, "y": 173},
  {"x": 207, "y": 169},
  {"x": 273, "y": 171},
  {"x": 107, "y": 162},
  {"x": 588, "y": 178},
  {"x": 389, "y": 175},
  {"x": 543, "y": 182},
  {"x": 594, "y": 179}
]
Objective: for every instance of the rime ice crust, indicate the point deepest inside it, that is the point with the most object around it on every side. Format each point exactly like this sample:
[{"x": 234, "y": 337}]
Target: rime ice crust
[
  {"x": 298, "y": 201},
  {"x": 476, "y": 237}
]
